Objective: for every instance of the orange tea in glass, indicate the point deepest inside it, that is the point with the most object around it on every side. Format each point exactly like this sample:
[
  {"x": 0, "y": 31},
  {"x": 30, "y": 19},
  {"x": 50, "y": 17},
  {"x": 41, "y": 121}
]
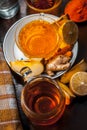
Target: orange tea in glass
[{"x": 42, "y": 101}]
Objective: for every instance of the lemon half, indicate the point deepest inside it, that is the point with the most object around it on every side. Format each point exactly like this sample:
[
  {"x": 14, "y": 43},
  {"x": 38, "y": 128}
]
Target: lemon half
[{"x": 78, "y": 83}]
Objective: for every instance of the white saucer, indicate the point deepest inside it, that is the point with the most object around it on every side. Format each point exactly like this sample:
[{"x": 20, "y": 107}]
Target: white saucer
[{"x": 9, "y": 43}]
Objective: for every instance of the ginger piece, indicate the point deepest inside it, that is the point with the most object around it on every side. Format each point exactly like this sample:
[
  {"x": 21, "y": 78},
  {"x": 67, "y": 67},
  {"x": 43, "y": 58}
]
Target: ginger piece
[{"x": 58, "y": 63}]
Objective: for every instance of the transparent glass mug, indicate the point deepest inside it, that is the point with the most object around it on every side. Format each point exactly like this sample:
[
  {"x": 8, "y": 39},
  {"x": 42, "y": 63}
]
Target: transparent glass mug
[
  {"x": 38, "y": 32},
  {"x": 42, "y": 101},
  {"x": 8, "y": 8}
]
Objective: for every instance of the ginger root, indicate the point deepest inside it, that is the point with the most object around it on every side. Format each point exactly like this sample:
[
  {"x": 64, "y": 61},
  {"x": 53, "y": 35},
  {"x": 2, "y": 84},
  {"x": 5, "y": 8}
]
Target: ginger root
[{"x": 59, "y": 63}]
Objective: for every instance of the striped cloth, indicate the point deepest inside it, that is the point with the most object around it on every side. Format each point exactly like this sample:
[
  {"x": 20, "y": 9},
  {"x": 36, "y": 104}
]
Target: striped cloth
[{"x": 9, "y": 116}]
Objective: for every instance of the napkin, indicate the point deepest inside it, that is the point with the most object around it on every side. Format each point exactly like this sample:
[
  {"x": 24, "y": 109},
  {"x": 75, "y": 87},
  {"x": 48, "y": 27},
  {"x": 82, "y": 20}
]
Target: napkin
[{"x": 9, "y": 115}]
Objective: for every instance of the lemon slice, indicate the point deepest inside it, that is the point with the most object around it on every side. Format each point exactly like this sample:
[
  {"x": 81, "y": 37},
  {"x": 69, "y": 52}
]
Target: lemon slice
[
  {"x": 78, "y": 83},
  {"x": 67, "y": 97},
  {"x": 69, "y": 32},
  {"x": 81, "y": 66},
  {"x": 67, "y": 92},
  {"x": 66, "y": 88},
  {"x": 35, "y": 66}
]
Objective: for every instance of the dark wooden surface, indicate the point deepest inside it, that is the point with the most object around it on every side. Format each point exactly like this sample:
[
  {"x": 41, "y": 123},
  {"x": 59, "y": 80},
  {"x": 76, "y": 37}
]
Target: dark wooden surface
[{"x": 75, "y": 115}]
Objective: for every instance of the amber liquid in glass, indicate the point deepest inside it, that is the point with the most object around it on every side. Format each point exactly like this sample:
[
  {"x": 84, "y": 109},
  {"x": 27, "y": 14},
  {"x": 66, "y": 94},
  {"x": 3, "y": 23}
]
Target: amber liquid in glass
[
  {"x": 38, "y": 38},
  {"x": 41, "y": 98},
  {"x": 41, "y": 4}
]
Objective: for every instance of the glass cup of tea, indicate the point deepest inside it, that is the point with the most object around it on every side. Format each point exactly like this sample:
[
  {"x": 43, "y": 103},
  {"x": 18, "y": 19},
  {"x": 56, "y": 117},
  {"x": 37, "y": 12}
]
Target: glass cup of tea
[
  {"x": 46, "y": 6},
  {"x": 42, "y": 100},
  {"x": 37, "y": 36}
]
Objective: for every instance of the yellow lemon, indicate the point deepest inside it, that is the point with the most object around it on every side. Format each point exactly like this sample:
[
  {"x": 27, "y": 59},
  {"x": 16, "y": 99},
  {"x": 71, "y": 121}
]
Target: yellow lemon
[
  {"x": 78, "y": 83},
  {"x": 68, "y": 32}
]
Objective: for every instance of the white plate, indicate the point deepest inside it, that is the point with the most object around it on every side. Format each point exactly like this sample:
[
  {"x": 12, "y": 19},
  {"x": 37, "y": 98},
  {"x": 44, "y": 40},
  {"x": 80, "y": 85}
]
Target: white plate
[{"x": 9, "y": 43}]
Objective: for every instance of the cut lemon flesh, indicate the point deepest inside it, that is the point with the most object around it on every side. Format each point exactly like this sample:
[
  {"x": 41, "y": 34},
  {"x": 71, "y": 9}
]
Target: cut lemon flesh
[
  {"x": 78, "y": 83},
  {"x": 69, "y": 32}
]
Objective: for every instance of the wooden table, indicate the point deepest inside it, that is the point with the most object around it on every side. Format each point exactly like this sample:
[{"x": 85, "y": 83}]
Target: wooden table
[{"x": 75, "y": 115}]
